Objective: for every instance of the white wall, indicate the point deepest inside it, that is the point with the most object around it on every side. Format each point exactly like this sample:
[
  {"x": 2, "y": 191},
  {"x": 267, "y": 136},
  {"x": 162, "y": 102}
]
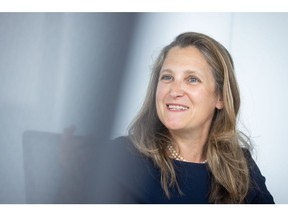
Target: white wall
[
  {"x": 258, "y": 44},
  {"x": 259, "y": 47}
]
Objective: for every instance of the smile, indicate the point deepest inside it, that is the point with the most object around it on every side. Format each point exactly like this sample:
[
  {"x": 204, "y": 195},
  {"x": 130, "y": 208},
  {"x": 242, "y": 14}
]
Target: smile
[{"x": 177, "y": 107}]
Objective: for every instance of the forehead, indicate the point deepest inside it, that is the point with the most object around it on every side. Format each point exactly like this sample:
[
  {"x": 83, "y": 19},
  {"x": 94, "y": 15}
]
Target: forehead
[{"x": 187, "y": 58}]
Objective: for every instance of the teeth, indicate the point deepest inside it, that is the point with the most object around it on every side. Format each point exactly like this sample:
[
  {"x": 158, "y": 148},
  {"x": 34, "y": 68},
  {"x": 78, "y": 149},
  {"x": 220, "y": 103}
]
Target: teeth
[{"x": 177, "y": 107}]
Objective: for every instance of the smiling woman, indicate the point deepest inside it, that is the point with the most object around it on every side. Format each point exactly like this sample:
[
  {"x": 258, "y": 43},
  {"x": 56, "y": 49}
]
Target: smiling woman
[
  {"x": 183, "y": 146},
  {"x": 186, "y": 98}
]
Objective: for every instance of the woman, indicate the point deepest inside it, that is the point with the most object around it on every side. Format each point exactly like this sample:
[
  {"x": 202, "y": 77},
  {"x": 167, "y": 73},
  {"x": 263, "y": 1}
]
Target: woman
[{"x": 183, "y": 146}]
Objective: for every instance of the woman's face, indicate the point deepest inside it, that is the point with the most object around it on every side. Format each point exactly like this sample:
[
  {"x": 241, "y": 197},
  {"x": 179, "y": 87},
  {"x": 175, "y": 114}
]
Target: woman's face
[{"x": 185, "y": 95}]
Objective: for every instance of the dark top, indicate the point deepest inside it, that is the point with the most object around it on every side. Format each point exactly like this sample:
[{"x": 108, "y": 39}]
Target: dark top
[{"x": 129, "y": 177}]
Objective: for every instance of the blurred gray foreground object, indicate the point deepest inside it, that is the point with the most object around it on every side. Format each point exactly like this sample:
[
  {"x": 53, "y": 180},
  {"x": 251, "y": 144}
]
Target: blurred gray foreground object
[{"x": 59, "y": 169}]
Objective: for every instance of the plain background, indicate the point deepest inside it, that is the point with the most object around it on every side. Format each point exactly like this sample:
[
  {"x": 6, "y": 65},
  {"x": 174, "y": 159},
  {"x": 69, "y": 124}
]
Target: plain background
[{"x": 92, "y": 70}]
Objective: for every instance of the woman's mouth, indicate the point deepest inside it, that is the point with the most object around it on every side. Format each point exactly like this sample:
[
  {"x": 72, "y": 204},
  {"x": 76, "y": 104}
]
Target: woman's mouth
[{"x": 176, "y": 107}]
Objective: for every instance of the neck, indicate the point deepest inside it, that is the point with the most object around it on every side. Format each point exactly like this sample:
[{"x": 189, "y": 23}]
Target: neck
[{"x": 189, "y": 146}]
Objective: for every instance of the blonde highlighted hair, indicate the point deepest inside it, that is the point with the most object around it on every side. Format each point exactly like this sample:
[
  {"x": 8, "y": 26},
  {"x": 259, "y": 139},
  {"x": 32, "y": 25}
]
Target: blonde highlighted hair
[{"x": 224, "y": 147}]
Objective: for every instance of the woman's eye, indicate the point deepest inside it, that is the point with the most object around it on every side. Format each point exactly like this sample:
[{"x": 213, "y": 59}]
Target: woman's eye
[
  {"x": 166, "y": 77},
  {"x": 193, "y": 80}
]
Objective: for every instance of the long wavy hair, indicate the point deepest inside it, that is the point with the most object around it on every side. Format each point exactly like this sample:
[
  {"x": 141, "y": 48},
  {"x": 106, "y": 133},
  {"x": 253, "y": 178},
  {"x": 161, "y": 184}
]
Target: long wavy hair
[{"x": 224, "y": 147}]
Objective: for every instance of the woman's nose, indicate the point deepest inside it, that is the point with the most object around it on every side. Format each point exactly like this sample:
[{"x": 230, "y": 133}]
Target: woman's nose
[{"x": 176, "y": 90}]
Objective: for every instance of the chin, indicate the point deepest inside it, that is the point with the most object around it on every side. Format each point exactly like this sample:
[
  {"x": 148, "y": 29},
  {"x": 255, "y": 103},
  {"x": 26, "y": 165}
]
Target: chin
[{"x": 174, "y": 127}]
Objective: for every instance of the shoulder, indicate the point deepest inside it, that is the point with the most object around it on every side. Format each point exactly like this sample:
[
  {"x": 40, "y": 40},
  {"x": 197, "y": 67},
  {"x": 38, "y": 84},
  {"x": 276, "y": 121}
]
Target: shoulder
[
  {"x": 258, "y": 192},
  {"x": 124, "y": 151},
  {"x": 123, "y": 145},
  {"x": 121, "y": 140},
  {"x": 127, "y": 162}
]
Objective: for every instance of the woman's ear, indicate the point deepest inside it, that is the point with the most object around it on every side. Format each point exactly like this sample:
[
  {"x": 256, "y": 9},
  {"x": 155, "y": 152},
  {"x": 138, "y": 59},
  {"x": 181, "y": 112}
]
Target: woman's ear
[{"x": 219, "y": 103}]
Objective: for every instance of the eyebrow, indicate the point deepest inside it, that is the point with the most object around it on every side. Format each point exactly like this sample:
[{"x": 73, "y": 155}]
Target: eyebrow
[
  {"x": 166, "y": 70},
  {"x": 171, "y": 71}
]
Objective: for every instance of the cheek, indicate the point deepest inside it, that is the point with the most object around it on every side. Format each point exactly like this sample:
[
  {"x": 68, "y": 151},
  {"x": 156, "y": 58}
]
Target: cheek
[
  {"x": 196, "y": 94},
  {"x": 160, "y": 100},
  {"x": 201, "y": 96},
  {"x": 160, "y": 93}
]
